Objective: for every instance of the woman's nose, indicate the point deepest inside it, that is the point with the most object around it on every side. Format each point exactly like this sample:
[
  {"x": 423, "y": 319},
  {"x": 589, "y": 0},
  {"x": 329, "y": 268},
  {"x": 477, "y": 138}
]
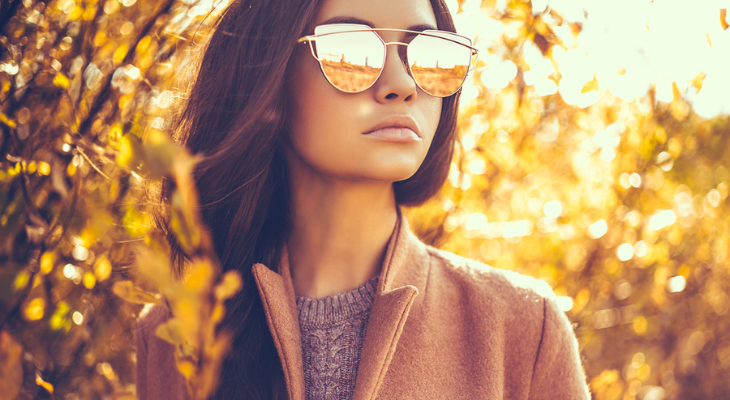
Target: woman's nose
[{"x": 395, "y": 83}]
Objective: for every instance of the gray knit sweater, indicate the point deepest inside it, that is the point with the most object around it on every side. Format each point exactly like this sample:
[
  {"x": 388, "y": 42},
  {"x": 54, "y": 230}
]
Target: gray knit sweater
[{"x": 333, "y": 332}]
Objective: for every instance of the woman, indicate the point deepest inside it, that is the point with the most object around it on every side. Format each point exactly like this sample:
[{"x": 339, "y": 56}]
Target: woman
[{"x": 315, "y": 132}]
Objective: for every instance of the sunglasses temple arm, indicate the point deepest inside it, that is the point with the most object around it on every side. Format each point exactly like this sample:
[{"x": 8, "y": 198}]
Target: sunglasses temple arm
[
  {"x": 309, "y": 40},
  {"x": 473, "y": 63}
]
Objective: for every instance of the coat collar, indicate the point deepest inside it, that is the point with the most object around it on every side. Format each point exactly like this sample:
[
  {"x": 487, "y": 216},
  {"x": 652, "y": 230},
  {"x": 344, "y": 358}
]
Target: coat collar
[{"x": 394, "y": 297}]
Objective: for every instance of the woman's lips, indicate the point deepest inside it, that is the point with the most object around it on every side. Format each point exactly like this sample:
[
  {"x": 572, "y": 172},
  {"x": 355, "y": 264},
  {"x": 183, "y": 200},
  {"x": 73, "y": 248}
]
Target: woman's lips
[
  {"x": 396, "y": 128},
  {"x": 394, "y": 134}
]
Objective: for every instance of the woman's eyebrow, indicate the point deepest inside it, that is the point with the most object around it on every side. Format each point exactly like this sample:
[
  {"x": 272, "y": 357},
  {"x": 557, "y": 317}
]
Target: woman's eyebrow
[
  {"x": 347, "y": 20},
  {"x": 353, "y": 20},
  {"x": 422, "y": 27}
]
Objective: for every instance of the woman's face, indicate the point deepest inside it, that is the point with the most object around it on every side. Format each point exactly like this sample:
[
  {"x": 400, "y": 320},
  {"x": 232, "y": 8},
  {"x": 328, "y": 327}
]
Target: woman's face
[{"x": 332, "y": 131}]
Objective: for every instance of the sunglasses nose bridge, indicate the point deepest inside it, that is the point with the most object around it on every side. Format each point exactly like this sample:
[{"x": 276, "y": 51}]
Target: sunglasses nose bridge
[
  {"x": 402, "y": 58},
  {"x": 400, "y": 79}
]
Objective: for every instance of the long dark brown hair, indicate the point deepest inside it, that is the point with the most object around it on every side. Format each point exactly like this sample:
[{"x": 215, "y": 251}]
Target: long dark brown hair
[{"x": 235, "y": 117}]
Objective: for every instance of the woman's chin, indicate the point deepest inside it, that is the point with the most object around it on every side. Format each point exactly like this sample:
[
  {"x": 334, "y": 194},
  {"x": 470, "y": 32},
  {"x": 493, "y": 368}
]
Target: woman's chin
[
  {"x": 386, "y": 174},
  {"x": 391, "y": 174},
  {"x": 395, "y": 169}
]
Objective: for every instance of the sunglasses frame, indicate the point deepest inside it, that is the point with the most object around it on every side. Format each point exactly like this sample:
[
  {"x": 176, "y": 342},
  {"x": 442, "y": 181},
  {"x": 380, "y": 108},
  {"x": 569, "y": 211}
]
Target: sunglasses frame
[{"x": 472, "y": 62}]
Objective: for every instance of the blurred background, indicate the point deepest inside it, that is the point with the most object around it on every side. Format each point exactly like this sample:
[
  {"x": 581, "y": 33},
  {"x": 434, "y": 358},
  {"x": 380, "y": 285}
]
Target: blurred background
[{"x": 593, "y": 155}]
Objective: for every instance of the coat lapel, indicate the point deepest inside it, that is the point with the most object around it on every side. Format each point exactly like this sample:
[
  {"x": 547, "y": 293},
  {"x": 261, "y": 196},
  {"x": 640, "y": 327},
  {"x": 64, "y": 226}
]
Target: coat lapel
[
  {"x": 277, "y": 295},
  {"x": 387, "y": 319},
  {"x": 388, "y": 316}
]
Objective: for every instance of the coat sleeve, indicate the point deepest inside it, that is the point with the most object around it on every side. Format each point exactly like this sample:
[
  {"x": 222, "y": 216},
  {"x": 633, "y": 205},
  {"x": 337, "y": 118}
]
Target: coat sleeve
[
  {"x": 157, "y": 374},
  {"x": 557, "y": 373},
  {"x": 141, "y": 365}
]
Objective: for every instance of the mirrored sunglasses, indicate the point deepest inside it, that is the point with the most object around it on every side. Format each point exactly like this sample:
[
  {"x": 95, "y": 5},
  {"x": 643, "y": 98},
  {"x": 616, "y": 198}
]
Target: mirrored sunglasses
[{"x": 352, "y": 57}]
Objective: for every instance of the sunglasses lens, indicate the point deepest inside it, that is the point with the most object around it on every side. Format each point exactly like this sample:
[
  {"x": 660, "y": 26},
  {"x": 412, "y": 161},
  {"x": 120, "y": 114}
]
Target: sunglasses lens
[
  {"x": 439, "y": 64},
  {"x": 351, "y": 61}
]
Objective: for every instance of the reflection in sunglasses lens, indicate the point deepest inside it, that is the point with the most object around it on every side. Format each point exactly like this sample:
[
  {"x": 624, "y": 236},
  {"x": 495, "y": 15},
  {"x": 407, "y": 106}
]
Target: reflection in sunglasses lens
[
  {"x": 351, "y": 61},
  {"x": 438, "y": 66}
]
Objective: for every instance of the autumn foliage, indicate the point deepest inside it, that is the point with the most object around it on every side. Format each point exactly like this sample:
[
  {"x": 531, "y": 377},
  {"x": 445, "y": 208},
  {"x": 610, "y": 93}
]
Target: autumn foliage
[{"x": 621, "y": 206}]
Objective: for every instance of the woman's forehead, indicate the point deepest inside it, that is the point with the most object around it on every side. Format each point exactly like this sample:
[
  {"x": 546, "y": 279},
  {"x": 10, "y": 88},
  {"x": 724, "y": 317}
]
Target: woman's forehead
[{"x": 399, "y": 14}]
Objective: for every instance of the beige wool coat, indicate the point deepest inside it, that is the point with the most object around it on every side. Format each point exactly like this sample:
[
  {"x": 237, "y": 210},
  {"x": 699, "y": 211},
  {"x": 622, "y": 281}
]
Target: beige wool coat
[{"x": 441, "y": 327}]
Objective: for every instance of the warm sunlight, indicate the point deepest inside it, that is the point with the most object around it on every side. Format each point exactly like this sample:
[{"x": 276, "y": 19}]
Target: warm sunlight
[{"x": 625, "y": 47}]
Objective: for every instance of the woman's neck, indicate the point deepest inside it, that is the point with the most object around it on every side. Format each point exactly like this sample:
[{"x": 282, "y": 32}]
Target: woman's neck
[{"x": 340, "y": 231}]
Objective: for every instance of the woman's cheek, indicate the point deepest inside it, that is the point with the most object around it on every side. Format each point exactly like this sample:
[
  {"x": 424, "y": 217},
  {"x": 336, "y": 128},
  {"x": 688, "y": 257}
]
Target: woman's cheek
[{"x": 433, "y": 115}]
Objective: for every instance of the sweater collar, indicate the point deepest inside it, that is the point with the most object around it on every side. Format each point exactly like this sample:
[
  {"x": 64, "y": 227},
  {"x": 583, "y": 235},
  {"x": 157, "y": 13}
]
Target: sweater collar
[{"x": 394, "y": 297}]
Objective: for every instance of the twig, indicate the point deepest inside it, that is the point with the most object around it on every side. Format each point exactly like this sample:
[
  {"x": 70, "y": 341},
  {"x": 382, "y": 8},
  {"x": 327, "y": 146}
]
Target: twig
[{"x": 92, "y": 164}]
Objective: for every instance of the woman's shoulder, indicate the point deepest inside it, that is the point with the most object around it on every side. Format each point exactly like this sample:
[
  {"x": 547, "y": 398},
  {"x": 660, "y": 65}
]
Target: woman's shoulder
[{"x": 479, "y": 276}]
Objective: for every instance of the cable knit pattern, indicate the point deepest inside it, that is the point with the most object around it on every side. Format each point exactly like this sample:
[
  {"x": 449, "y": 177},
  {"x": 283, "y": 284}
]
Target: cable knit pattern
[{"x": 333, "y": 331}]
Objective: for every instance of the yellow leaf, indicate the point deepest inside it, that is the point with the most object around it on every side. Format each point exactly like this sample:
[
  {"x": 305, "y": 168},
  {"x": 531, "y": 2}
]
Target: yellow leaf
[
  {"x": 58, "y": 319},
  {"x": 684, "y": 270},
  {"x": 99, "y": 38},
  {"x": 581, "y": 299},
  {"x": 229, "y": 286},
  {"x": 89, "y": 13},
  {"x": 153, "y": 268},
  {"x": 44, "y": 168},
  {"x": 7, "y": 121},
  {"x": 169, "y": 331},
  {"x": 120, "y": 53},
  {"x": 592, "y": 85},
  {"x": 89, "y": 280},
  {"x": 157, "y": 241},
  {"x": 697, "y": 81},
  {"x": 160, "y": 153},
  {"x": 136, "y": 222},
  {"x": 127, "y": 291},
  {"x": 644, "y": 372},
  {"x": 76, "y": 13},
  {"x": 71, "y": 169},
  {"x": 640, "y": 325},
  {"x": 143, "y": 44},
  {"x": 209, "y": 376},
  {"x": 102, "y": 268},
  {"x": 723, "y": 19},
  {"x": 88, "y": 237},
  {"x": 187, "y": 311},
  {"x": 218, "y": 311},
  {"x": 182, "y": 223},
  {"x": 47, "y": 261},
  {"x": 129, "y": 148},
  {"x": 125, "y": 101},
  {"x": 676, "y": 95},
  {"x": 186, "y": 368},
  {"x": 45, "y": 385},
  {"x": 35, "y": 309},
  {"x": 61, "y": 80},
  {"x": 21, "y": 279},
  {"x": 115, "y": 135},
  {"x": 157, "y": 137},
  {"x": 198, "y": 276}
]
